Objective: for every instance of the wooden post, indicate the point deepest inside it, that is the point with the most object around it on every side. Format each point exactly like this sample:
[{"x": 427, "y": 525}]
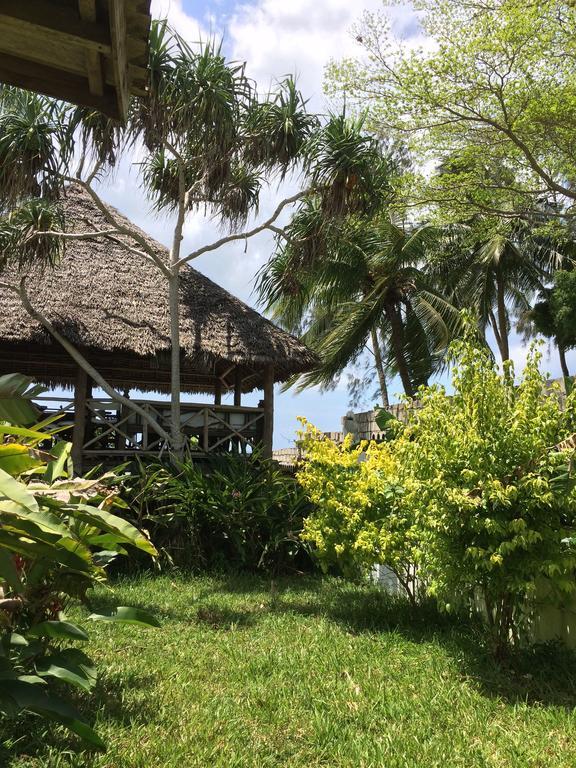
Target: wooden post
[
  {"x": 205, "y": 432},
  {"x": 237, "y": 387},
  {"x": 218, "y": 393},
  {"x": 79, "y": 429},
  {"x": 268, "y": 431}
]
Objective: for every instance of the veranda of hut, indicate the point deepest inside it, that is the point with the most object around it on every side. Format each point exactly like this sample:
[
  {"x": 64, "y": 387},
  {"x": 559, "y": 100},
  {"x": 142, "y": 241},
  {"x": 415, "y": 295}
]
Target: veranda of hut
[{"x": 112, "y": 305}]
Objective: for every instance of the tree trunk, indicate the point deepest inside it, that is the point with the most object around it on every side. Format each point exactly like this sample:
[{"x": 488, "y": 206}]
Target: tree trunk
[
  {"x": 175, "y": 419},
  {"x": 80, "y": 418},
  {"x": 380, "y": 368},
  {"x": 502, "y": 320},
  {"x": 397, "y": 341},
  {"x": 177, "y": 438},
  {"x": 268, "y": 433},
  {"x": 563, "y": 363}
]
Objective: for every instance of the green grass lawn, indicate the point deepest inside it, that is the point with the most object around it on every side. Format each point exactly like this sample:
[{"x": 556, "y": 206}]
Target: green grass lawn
[{"x": 304, "y": 673}]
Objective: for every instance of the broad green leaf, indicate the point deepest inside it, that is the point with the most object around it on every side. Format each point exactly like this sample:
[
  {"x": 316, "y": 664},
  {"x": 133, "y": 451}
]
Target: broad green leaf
[
  {"x": 106, "y": 556},
  {"x": 15, "y": 400},
  {"x": 16, "y": 459},
  {"x": 8, "y": 571},
  {"x": 70, "y": 665},
  {"x": 18, "y": 492},
  {"x": 58, "y": 630},
  {"x": 57, "y": 468},
  {"x": 18, "y": 640},
  {"x": 125, "y": 531},
  {"x": 127, "y": 615},
  {"x": 40, "y": 517},
  {"x": 54, "y": 552},
  {"x": 9, "y": 429},
  {"x": 36, "y": 699}
]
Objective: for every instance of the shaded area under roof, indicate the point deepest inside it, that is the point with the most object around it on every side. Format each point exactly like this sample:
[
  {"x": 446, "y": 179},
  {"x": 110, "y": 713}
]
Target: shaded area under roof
[{"x": 88, "y": 52}]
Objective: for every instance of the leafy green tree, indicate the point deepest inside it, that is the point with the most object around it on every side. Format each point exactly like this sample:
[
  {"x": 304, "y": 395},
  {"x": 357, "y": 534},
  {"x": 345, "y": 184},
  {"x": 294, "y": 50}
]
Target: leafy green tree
[
  {"x": 490, "y": 98},
  {"x": 494, "y": 268},
  {"x": 494, "y": 498}
]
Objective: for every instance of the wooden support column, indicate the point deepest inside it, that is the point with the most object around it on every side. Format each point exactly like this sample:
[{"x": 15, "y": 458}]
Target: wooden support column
[
  {"x": 218, "y": 393},
  {"x": 79, "y": 429},
  {"x": 237, "y": 387},
  {"x": 268, "y": 432},
  {"x": 93, "y": 57}
]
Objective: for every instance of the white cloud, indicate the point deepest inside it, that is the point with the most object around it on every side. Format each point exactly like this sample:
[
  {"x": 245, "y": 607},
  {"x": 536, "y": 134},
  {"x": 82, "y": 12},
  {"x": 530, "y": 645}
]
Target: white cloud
[
  {"x": 277, "y": 38},
  {"x": 186, "y": 25}
]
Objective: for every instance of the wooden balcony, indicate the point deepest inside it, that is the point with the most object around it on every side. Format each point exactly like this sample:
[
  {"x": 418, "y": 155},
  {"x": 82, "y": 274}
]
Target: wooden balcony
[{"x": 112, "y": 431}]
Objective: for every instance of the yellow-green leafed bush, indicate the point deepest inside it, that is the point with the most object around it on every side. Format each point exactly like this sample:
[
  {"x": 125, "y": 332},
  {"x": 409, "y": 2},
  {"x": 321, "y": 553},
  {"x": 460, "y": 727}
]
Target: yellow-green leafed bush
[
  {"x": 476, "y": 491},
  {"x": 493, "y": 498},
  {"x": 359, "y": 516}
]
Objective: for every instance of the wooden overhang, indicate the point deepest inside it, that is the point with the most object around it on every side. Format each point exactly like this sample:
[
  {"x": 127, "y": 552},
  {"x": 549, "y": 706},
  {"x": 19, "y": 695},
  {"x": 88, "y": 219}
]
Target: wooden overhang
[{"x": 89, "y": 52}]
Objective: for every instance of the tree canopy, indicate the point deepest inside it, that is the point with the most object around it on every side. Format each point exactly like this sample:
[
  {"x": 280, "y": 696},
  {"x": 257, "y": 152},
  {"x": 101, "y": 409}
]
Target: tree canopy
[{"x": 489, "y": 100}]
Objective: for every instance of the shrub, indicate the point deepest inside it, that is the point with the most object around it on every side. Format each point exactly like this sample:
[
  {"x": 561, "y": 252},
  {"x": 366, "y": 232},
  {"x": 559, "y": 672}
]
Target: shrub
[
  {"x": 229, "y": 512},
  {"x": 493, "y": 498},
  {"x": 477, "y": 490},
  {"x": 359, "y": 518}
]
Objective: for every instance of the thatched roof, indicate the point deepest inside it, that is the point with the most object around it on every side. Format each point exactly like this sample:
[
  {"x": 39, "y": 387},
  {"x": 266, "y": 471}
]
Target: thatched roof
[{"x": 114, "y": 306}]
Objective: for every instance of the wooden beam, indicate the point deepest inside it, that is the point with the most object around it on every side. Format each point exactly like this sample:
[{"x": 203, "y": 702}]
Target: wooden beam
[
  {"x": 54, "y": 82},
  {"x": 34, "y": 20},
  {"x": 87, "y": 9},
  {"x": 94, "y": 71},
  {"x": 268, "y": 432},
  {"x": 118, "y": 34},
  {"x": 237, "y": 387},
  {"x": 80, "y": 412},
  {"x": 218, "y": 393}
]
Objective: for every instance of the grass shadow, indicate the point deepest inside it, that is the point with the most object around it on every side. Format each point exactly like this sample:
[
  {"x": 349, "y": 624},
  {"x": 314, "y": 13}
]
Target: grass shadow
[
  {"x": 540, "y": 675},
  {"x": 28, "y": 736},
  {"x": 216, "y": 617}
]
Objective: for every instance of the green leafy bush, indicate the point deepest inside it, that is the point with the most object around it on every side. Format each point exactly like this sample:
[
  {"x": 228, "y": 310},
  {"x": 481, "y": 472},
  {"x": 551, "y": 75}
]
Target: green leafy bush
[
  {"x": 359, "y": 517},
  {"x": 493, "y": 497},
  {"x": 57, "y": 534},
  {"x": 230, "y": 512},
  {"x": 478, "y": 491}
]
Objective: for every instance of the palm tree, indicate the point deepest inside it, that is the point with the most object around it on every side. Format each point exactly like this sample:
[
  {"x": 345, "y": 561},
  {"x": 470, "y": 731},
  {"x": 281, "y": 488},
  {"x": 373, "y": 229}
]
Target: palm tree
[
  {"x": 365, "y": 283},
  {"x": 209, "y": 142},
  {"x": 496, "y": 268}
]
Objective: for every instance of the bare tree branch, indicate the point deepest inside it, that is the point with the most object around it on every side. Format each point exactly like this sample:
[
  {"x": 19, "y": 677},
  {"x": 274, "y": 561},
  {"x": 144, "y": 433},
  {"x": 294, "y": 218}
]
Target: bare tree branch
[
  {"x": 121, "y": 229},
  {"x": 248, "y": 233}
]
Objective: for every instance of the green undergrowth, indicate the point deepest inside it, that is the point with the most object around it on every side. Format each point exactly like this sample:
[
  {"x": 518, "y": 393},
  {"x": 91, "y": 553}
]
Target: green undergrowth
[{"x": 305, "y": 672}]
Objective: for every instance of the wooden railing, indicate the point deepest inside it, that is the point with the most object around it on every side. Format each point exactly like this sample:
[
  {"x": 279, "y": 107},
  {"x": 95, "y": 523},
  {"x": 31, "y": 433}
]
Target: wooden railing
[{"x": 113, "y": 429}]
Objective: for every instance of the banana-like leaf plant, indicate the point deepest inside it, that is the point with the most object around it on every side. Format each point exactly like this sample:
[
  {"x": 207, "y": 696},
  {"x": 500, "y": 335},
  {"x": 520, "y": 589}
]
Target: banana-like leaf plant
[{"x": 57, "y": 534}]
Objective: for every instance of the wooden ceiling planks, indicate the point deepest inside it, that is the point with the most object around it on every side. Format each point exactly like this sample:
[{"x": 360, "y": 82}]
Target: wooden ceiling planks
[{"x": 88, "y": 52}]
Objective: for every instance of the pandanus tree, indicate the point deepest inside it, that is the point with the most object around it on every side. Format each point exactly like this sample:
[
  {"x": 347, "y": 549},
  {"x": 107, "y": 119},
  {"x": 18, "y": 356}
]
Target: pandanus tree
[
  {"x": 206, "y": 143},
  {"x": 362, "y": 281}
]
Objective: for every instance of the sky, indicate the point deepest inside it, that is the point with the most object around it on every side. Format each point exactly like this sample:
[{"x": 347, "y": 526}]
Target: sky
[{"x": 274, "y": 38}]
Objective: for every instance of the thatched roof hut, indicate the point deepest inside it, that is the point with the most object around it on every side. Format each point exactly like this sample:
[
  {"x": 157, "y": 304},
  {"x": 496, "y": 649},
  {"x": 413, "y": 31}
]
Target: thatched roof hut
[{"x": 113, "y": 306}]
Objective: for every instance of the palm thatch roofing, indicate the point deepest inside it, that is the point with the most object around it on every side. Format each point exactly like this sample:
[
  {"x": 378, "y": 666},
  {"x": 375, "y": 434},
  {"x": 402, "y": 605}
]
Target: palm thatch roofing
[{"x": 113, "y": 306}]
